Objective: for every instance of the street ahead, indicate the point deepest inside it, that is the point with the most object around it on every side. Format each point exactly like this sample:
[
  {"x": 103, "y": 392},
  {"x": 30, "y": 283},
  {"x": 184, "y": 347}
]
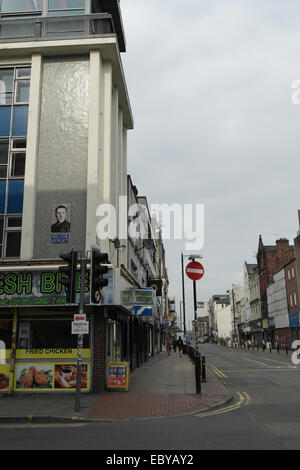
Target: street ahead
[{"x": 264, "y": 415}]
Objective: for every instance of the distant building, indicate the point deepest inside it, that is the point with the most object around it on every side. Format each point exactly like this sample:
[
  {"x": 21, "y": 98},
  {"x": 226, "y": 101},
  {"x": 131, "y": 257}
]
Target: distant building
[{"x": 270, "y": 259}]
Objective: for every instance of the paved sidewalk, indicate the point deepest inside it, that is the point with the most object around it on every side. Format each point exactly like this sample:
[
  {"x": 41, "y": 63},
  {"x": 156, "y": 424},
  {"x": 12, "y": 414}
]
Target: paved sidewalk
[{"x": 164, "y": 386}]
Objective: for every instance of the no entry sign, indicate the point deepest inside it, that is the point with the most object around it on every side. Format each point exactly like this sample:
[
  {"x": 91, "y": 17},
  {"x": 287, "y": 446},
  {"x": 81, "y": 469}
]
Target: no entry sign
[{"x": 194, "y": 270}]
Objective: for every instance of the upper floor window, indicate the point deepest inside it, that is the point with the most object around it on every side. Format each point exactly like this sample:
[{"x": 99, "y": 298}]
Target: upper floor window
[
  {"x": 18, "y": 6},
  {"x": 14, "y": 99},
  {"x": 66, "y": 7},
  {"x": 39, "y": 7}
]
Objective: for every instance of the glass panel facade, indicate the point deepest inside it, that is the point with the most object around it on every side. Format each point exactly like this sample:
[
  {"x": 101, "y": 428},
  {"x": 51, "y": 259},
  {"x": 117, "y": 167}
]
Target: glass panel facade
[
  {"x": 64, "y": 4},
  {"x": 2, "y": 196},
  {"x": 65, "y": 12},
  {"x": 13, "y": 244},
  {"x": 20, "y": 121},
  {"x": 22, "y": 91},
  {"x": 14, "y": 88},
  {"x": 5, "y": 112},
  {"x": 12, "y": 6},
  {"x": 18, "y": 164},
  {"x": 3, "y": 152},
  {"x": 15, "y": 196}
]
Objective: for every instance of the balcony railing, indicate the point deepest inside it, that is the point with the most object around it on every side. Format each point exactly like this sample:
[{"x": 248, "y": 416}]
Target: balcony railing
[{"x": 46, "y": 28}]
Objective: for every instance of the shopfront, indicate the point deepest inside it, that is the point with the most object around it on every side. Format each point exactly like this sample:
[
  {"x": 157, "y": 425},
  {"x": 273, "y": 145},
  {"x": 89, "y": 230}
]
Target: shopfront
[
  {"x": 256, "y": 333},
  {"x": 41, "y": 352},
  {"x": 38, "y": 352},
  {"x": 294, "y": 325}
]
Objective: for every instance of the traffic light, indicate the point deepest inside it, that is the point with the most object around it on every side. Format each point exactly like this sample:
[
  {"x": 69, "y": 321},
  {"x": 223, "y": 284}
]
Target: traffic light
[
  {"x": 69, "y": 278},
  {"x": 97, "y": 281}
]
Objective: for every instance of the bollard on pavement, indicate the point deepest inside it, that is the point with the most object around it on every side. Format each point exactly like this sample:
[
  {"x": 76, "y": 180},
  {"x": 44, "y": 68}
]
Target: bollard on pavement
[
  {"x": 198, "y": 373},
  {"x": 203, "y": 366}
]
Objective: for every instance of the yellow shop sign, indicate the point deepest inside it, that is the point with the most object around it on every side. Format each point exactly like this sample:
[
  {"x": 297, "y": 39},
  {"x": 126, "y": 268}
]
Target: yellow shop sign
[{"x": 51, "y": 353}]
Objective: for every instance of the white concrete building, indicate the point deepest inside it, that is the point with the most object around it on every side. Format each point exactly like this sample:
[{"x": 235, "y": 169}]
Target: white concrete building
[{"x": 224, "y": 322}]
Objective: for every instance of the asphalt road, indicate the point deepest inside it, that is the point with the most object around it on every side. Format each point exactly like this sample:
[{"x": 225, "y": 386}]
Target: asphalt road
[{"x": 264, "y": 415}]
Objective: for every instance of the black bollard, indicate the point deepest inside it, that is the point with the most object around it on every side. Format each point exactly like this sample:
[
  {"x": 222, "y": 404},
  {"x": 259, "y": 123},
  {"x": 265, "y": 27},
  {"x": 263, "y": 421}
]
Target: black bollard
[
  {"x": 203, "y": 369},
  {"x": 198, "y": 373}
]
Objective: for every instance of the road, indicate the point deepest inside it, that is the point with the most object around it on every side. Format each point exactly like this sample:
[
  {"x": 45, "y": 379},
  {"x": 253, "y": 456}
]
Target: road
[{"x": 264, "y": 415}]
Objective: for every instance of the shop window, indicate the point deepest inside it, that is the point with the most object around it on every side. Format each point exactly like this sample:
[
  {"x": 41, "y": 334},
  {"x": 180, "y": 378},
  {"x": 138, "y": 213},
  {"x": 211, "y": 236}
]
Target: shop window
[
  {"x": 6, "y": 332},
  {"x": 13, "y": 244},
  {"x": 54, "y": 333}
]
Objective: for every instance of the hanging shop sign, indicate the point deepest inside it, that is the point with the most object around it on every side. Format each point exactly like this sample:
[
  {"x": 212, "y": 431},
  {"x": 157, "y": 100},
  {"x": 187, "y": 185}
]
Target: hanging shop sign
[
  {"x": 118, "y": 375},
  {"x": 138, "y": 297}
]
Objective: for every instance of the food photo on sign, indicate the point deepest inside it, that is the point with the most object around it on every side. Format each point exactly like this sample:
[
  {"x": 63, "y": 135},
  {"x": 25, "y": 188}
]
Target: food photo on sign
[
  {"x": 37, "y": 376},
  {"x": 66, "y": 376}
]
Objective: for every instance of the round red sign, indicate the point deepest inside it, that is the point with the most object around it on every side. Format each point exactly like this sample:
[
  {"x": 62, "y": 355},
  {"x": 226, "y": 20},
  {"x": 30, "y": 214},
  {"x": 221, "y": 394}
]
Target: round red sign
[{"x": 194, "y": 270}]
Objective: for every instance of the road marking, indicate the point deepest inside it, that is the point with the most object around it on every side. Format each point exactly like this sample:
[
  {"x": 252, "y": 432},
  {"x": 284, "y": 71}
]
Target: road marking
[
  {"x": 244, "y": 399},
  {"x": 218, "y": 372},
  {"x": 46, "y": 425},
  {"x": 278, "y": 362},
  {"x": 261, "y": 363},
  {"x": 269, "y": 369}
]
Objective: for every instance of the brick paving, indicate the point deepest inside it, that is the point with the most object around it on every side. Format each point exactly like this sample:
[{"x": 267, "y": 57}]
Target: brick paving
[{"x": 164, "y": 386}]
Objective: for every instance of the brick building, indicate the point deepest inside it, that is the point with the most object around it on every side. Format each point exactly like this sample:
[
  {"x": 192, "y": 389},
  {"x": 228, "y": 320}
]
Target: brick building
[{"x": 270, "y": 259}]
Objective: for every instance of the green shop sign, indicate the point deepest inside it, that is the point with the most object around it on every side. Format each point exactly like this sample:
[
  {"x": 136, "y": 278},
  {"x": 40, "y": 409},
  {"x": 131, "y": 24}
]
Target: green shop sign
[
  {"x": 140, "y": 297},
  {"x": 36, "y": 289}
]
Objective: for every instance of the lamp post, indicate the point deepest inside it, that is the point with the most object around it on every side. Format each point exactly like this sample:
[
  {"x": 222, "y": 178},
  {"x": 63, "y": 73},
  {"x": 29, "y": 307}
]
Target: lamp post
[{"x": 233, "y": 304}]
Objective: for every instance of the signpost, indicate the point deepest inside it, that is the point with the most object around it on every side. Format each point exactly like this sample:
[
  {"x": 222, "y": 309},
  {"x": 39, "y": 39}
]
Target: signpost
[
  {"x": 81, "y": 328},
  {"x": 194, "y": 270}
]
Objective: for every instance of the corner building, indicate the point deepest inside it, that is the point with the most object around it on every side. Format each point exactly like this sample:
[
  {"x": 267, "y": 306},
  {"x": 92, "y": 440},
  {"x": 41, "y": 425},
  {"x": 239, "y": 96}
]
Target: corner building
[{"x": 64, "y": 118}]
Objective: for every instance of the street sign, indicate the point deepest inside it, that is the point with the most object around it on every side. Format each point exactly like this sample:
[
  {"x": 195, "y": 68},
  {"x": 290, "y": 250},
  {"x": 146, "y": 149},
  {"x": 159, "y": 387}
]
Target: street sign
[
  {"x": 142, "y": 311},
  {"x": 80, "y": 328},
  {"x": 194, "y": 270},
  {"x": 78, "y": 318}
]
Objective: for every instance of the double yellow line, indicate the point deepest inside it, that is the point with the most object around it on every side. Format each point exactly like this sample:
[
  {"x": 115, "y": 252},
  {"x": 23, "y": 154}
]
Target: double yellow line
[
  {"x": 217, "y": 371},
  {"x": 244, "y": 400}
]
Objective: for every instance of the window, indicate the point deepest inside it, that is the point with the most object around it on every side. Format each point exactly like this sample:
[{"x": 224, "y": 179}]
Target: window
[
  {"x": 16, "y": 6},
  {"x": 14, "y": 98},
  {"x": 289, "y": 274},
  {"x": 295, "y": 299},
  {"x": 66, "y": 7},
  {"x": 52, "y": 333},
  {"x": 291, "y": 300},
  {"x": 293, "y": 273},
  {"x": 6, "y": 86}
]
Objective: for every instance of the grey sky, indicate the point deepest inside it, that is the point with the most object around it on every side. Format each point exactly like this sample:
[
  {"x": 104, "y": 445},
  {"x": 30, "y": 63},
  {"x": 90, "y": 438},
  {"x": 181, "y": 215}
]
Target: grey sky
[{"x": 210, "y": 87}]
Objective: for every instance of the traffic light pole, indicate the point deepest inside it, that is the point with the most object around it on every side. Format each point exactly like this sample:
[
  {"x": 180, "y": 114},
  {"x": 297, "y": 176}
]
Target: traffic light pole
[{"x": 80, "y": 337}]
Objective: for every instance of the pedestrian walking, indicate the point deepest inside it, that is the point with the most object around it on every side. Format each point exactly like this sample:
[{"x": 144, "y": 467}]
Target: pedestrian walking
[
  {"x": 180, "y": 346},
  {"x": 174, "y": 345},
  {"x": 169, "y": 345}
]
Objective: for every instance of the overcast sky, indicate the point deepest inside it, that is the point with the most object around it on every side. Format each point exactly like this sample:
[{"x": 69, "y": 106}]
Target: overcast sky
[{"x": 210, "y": 85}]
